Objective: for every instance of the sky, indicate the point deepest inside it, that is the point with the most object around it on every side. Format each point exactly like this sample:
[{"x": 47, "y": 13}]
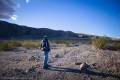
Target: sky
[{"x": 98, "y": 17}]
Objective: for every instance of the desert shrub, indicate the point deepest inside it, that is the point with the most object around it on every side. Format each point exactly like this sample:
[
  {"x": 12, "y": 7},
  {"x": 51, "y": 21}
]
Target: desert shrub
[
  {"x": 99, "y": 42},
  {"x": 15, "y": 43},
  {"x": 62, "y": 42},
  {"x": 67, "y": 43},
  {"x": 12, "y": 44},
  {"x": 3, "y": 46},
  {"x": 113, "y": 45},
  {"x": 9, "y": 45},
  {"x": 118, "y": 46},
  {"x": 30, "y": 43}
]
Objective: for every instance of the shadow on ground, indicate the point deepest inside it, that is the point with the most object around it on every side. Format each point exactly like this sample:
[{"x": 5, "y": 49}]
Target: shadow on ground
[{"x": 86, "y": 71}]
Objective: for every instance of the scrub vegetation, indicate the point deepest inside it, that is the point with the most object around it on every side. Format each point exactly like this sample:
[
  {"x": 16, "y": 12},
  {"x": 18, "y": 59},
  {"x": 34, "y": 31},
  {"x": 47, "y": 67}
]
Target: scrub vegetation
[
  {"x": 105, "y": 43},
  {"x": 26, "y": 62}
]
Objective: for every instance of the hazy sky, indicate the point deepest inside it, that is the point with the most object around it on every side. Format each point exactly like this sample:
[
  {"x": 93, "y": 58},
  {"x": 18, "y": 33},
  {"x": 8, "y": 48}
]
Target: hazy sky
[{"x": 101, "y": 17}]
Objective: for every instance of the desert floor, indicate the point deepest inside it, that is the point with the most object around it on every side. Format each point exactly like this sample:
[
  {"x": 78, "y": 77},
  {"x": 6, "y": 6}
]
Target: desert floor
[{"x": 26, "y": 64}]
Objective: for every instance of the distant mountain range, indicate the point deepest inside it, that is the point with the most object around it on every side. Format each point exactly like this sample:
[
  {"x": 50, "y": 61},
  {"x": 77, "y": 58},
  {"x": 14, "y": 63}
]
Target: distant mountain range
[{"x": 10, "y": 30}]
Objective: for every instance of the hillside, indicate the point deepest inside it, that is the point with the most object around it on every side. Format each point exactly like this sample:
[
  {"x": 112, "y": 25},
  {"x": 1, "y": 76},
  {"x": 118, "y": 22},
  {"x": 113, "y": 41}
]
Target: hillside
[{"x": 9, "y": 30}]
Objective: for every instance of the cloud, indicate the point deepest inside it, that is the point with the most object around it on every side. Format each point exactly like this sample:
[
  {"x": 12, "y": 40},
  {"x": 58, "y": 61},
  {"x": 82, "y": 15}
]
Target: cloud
[
  {"x": 14, "y": 17},
  {"x": 7, "y": 8},
  {"x": 27, "y": 1}
]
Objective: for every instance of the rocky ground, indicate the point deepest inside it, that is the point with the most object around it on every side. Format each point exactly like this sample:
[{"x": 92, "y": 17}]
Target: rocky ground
[{"x": 26, "y": 64}]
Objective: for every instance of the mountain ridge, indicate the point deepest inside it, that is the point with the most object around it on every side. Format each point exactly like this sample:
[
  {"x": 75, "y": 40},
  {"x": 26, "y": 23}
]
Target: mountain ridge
[{"x": 11, "y": 30}]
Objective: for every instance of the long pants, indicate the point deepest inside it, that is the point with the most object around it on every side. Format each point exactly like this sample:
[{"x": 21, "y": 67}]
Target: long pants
[{"x": 45, "y": 58}]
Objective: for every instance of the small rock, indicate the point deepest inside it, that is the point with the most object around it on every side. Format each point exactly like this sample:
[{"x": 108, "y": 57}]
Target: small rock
[
  {"x": 26, "y": 70},
  {"x": 32, "y": 69},
  {"x": 58, "y": 56},
  {"x": 83, "y": 66},
  {"x": 19, "y": 71},
  {"x": 78, "y": 63},
  {"x": 37, "y": 66},
  {"x": 94, "y": 64},
  {"x": 32, "y": 58},
  {"x": 25, "y": 51}
]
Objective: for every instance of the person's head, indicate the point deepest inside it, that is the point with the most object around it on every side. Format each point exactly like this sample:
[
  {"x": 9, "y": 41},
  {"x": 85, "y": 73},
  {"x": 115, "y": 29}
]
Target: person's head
[{"x": 45, "y": 37}]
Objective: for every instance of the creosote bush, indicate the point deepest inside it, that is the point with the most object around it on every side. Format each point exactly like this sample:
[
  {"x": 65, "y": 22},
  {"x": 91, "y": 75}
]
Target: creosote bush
[{"x": 99, "y": 42}]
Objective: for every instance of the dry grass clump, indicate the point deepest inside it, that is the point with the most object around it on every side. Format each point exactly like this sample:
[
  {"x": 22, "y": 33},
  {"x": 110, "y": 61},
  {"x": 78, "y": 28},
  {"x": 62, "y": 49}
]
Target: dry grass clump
[
  {"x": 12, "y": 44},
  {"x": 106, "y": 44},
  {"x": 62, "y": 43},
  {"x": 30, "y": 43},
  {"x": 65, "y": 42},
  {"x": 99, "y": 42},
  {"x": 9, "y": 45}
]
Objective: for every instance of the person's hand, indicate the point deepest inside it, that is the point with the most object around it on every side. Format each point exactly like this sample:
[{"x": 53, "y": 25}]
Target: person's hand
[
  {"x": 40, "y": 48},
  {"x": 49, "y": 50}
]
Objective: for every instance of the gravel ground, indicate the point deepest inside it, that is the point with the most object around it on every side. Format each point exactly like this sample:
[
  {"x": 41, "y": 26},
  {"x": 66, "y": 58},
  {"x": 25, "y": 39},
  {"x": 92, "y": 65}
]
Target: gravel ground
[{"x": 26, "y": 64}]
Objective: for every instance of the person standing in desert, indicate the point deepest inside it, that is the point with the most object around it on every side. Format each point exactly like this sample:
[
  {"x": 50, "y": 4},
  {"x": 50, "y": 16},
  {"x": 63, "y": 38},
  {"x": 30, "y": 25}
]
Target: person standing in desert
[{"x": 46, "y": 48}]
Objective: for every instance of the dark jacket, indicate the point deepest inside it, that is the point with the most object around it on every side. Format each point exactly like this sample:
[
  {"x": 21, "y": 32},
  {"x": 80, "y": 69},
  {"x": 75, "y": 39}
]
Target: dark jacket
[{"x": 45, "y": 45}]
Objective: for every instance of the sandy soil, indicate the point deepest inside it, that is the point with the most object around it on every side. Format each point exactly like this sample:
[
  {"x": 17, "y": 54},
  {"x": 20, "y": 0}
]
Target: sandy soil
[{"x": 26, "y": 64}]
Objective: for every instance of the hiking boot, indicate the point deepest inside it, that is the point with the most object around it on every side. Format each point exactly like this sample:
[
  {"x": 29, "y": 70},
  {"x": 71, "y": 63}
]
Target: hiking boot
[
  {"x": 48, "y": 65},
  {"x": 45, "y": 67}
]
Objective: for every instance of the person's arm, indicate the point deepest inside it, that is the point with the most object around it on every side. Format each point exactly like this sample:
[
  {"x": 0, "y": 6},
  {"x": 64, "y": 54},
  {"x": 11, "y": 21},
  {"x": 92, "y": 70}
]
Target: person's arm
[{"x": 48, "y": 45}]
